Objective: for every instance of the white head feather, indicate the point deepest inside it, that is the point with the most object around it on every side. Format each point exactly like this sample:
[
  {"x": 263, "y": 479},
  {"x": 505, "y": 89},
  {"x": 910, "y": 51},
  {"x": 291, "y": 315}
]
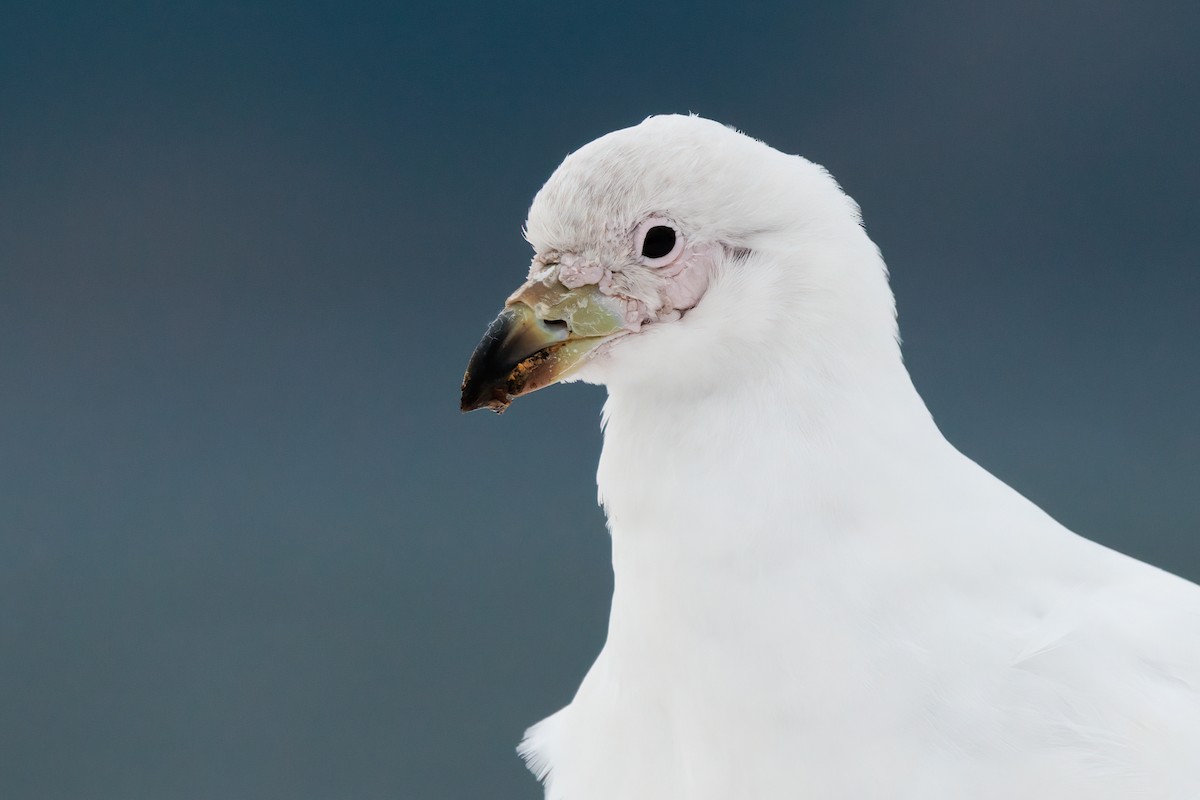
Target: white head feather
[{"x": 791, "y": 273}]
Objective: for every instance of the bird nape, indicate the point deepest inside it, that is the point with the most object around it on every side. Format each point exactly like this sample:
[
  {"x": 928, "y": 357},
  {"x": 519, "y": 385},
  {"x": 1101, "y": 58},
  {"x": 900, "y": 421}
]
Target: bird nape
[{"x": 815, "y": 595}]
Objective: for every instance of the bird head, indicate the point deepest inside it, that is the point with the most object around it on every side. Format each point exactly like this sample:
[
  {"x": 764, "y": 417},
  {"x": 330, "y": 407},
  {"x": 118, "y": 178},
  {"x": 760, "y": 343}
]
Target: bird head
[{"x": 677, "y": 253}]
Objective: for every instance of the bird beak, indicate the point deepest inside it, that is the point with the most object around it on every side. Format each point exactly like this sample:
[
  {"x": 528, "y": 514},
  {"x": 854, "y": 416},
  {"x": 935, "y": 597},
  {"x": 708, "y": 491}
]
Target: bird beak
[{"x": 544, "y": 332}]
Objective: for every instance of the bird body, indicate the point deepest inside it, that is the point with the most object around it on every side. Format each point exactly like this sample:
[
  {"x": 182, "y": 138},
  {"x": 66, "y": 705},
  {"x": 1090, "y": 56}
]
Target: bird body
[
  {"x": 815, "y": 594},
  {"x": 919, "y": 631}
]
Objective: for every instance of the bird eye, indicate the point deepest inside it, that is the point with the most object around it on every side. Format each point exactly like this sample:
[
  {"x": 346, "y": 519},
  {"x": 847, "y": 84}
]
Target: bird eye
[{"x": 659, "y": 242}]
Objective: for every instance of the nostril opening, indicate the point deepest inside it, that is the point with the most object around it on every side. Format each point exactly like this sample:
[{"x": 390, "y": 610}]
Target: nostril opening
[{"x": 558, "y": 326}]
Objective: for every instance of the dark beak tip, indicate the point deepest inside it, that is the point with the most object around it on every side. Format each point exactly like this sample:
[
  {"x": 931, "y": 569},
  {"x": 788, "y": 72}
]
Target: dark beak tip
[
  {"x": 475, "y": 397},
  {"x": 510, "y": 339}
]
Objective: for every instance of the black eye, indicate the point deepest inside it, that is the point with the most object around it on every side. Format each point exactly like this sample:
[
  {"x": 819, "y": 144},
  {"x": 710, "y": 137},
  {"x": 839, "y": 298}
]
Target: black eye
[{"x": 659, "y": 241}]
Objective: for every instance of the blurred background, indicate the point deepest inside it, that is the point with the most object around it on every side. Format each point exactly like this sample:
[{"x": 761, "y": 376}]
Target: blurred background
[{"x": 248, "y": 546}]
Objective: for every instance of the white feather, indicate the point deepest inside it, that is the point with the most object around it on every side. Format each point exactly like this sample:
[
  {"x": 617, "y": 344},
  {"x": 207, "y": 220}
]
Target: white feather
[{"x": 816, "y": 596}]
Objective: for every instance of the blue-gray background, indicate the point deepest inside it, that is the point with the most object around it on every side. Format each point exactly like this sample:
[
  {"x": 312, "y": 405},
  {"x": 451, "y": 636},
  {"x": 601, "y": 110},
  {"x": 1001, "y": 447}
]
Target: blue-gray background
[{"x": 248, "y": 546}]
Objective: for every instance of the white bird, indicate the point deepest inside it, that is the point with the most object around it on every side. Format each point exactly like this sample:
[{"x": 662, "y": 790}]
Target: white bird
[{"x": 815, "y": 594}]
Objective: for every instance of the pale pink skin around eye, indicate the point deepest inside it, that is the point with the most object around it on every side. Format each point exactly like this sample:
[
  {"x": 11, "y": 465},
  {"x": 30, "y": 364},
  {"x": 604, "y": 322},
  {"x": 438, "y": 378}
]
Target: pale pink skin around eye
[{"x": 685, "y": 277}]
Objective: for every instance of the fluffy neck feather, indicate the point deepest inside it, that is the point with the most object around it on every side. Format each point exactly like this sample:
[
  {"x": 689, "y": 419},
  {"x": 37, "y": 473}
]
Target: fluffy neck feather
[{"x": 807, "y": 386}]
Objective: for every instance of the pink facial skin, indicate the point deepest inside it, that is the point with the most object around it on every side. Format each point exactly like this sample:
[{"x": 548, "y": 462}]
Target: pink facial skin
[
  {"x": 652, "y": 292},
  {"x": 686, "y": 279},
  {"x": 574, "y": 272}
]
